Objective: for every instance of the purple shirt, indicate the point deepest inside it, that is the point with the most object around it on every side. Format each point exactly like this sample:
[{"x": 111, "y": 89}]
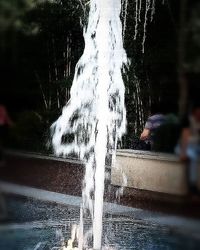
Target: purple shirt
[{"x": 154, "y": 121}]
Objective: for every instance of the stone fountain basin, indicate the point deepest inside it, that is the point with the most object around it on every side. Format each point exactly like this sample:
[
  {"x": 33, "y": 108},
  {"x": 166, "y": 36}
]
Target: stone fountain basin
[
  {"x": 148, "y": 187},
  {"x": 152, "y": 171}
]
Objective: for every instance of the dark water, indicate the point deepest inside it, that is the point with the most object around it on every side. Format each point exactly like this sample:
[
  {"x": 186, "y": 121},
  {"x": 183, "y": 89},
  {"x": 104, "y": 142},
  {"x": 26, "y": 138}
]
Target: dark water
[
  {"x": 39, "y": 225},
  {"x": 25, "y": 239}
]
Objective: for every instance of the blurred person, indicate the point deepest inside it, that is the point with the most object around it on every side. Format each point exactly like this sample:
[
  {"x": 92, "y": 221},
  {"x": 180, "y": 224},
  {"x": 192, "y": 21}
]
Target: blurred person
[
  {"x": 5, "y": 122},
  {"x": 190, "y": 144},
  {"x": 3, "y": 208},
  {"x": 167, "y": 134},
  {"x": 154, "y": 121}
]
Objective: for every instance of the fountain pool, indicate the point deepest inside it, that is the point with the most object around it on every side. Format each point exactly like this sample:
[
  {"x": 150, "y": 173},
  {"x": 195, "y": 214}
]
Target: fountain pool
[{"x": 37, "y": 225}]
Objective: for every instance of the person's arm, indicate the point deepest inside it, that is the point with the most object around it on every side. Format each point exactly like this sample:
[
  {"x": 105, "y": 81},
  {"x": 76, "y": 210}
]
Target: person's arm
[
  {"x": 185, "y": 135},
  {"x": 147, "y": 130},
  {"x": 184, "y": 140},
  {"x": 145, "y": 134}
]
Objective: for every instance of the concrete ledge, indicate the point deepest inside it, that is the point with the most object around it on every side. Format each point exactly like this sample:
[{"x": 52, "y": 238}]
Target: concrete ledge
[
  {"x": 150, "y": 171},
  {"x": 64, "y": 199},
  {"x": 33, "y": 155},
  {"x": 65, "y": 176}
]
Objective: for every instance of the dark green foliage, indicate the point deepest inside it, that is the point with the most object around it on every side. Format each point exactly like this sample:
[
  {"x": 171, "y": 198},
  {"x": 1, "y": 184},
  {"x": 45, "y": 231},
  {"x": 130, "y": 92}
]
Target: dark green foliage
[
  {"x": 41, "y": 42},
  {"x": 29, "y": 132}
]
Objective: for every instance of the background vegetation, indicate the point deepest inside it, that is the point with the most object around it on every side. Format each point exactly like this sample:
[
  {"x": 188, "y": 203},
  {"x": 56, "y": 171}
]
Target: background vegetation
[{"x": 41, "y": 42}]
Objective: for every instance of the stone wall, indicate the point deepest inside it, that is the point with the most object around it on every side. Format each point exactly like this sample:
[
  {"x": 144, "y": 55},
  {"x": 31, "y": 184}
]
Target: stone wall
[{"x": 156, "y": 172}]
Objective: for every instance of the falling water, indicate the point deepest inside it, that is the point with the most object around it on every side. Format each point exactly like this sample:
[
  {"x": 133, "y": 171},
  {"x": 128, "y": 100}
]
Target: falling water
[
  {"x": 153, "y": 9},
  {"x": 124, "y": 15},
  {"x": 149, "y": 5},
  {"x": 147, "y": 8},
  {"x": 94, "y": 118},
  {"x": 136, "y": 18}
]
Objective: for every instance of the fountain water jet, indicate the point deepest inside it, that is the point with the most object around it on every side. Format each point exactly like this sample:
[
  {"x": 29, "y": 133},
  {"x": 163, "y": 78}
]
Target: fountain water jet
[{"x": 95, "y": 114}]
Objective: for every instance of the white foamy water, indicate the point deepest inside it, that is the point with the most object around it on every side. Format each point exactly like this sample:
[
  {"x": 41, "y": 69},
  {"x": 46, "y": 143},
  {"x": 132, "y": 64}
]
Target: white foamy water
[{"x": 95, "y": 114}]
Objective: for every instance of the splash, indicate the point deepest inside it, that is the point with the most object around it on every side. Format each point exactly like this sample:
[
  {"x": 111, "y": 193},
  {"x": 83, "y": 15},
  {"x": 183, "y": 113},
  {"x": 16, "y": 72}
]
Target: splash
[{"x": 94, "y": 119}]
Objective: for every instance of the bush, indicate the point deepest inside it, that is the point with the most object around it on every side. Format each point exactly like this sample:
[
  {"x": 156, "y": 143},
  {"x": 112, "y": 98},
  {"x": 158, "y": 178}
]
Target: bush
[{"x": 29, "y": 132}]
